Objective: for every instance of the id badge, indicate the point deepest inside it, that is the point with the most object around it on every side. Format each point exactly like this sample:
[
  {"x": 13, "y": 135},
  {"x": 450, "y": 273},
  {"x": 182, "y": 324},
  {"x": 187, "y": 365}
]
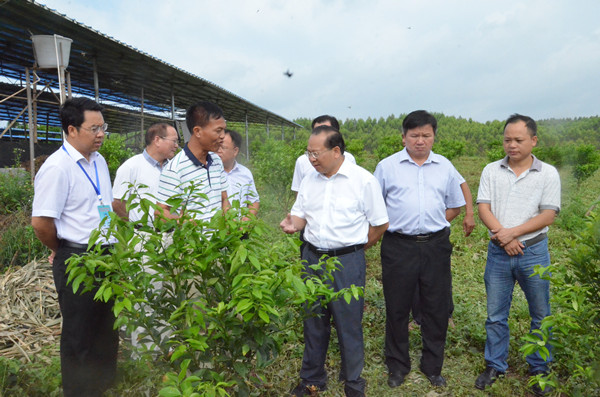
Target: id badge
[{"x": 104, "y": 211}]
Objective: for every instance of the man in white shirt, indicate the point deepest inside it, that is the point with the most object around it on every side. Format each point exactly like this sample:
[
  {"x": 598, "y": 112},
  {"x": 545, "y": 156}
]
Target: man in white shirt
[
  {"x": 239, "y": 177},
  {"x": 144, "y": 169},
  {"x": 342, "y": 211},
  {"x": 72, "y": 196},
  {"x": 303, "y": 166}
]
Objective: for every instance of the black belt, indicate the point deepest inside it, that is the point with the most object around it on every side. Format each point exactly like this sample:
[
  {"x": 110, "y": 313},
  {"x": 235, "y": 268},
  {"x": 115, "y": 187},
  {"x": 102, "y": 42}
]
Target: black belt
[
  {"x": 420, "y": 238},
  {"x": 335, "y": 252},
  {"x": 529, "y": 242},
  {"x": 71, "y": 244}
]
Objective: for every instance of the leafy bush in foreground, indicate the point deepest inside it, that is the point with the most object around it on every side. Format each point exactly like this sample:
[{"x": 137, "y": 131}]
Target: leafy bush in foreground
[
  {"x": 216, "y": 305},
  {"x": 574, "y": 327}
]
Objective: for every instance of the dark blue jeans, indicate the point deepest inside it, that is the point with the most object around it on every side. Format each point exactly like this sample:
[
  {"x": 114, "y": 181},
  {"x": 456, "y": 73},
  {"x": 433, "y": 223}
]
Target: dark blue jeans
[
  {"x": 501, "y": 273},
  {"x": 348, "y": 323}
]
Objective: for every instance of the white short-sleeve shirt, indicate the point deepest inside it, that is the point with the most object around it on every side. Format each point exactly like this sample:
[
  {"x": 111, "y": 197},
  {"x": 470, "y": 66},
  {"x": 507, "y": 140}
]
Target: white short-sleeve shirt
[
  {"x": 64, "y": 193},
  {"x": 138, "y": 170},
  {"x": 303, "y": 168},
  {"x": 338, "y": 210}
]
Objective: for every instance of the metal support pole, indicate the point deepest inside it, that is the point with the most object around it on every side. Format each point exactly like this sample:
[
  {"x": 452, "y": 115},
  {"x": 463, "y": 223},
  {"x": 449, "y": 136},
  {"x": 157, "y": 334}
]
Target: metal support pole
[
  {"x": 142, "y": 120},
  {"x": 173, "y": 107},
  {"x": 29, "y": 108},
  {"x": 63, "y": 94},
  {"x": 282, "y": 133},
  {"x": 96, "y": 85},
  {"x": 69, "y": 92},
  {"x": 267, "y": 128},
  {"x": 247, "y": 140}
]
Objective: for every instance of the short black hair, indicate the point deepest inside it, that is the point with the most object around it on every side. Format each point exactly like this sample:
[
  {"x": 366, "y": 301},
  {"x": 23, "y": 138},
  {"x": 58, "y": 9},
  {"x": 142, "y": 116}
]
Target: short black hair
[
  {"x": 72, "y": 111},
  {"x": 236, "y": 138},
  {"x": 157, "y": 129},
  {"x": 418, "y": 118},
  {"x": 200, "y": 114},
  {"x": 324, "y": 118},
  {"x": 334, "y": 137},
  {"x": 529, "y": 123}
]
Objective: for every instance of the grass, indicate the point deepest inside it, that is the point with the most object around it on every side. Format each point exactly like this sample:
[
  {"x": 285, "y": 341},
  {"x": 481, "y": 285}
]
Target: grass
[{"x": 465, "y": 342}]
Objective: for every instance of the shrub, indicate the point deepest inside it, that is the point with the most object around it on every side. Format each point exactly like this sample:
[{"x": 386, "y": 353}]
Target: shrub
[
  {"x": 115, "y": 153},
  {"x": 587, "y": 161},
  {"x": 16, "y": 192},
  {"x": 449, "y": 148},
  {"x": 225, "y": 303},
  {"x": 574, "y": 327}
]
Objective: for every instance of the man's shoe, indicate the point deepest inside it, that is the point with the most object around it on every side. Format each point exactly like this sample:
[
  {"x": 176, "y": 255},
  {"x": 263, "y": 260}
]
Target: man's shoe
[
  {"x": 305, "y": 390},
  {"x": 487, "y": 378},
  {"x": 395, "y": 379},
  {"x": 437, "y": 380},
  {"x": 537, "y": 389}
]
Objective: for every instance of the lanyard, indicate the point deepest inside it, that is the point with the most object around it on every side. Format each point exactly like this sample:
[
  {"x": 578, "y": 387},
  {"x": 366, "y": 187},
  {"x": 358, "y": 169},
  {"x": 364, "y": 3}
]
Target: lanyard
[{"x": 96, "y": 186}]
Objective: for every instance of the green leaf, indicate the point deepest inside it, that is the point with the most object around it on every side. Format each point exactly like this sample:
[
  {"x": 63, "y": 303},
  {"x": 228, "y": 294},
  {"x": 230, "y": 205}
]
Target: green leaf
[
  {"x": 243, "y": 305},
  {"x": 264, "y": 316},
  {"x": 169, "y": 391}
]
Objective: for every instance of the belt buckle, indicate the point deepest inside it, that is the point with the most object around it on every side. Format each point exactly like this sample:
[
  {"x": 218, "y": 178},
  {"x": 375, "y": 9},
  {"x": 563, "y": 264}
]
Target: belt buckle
[
  {"x": 422, "y": 238},
  {"x": 321, "y": 251}
]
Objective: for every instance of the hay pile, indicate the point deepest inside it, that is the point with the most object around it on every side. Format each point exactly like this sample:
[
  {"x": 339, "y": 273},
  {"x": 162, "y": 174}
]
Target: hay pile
[{"x": 29, "y": 313}]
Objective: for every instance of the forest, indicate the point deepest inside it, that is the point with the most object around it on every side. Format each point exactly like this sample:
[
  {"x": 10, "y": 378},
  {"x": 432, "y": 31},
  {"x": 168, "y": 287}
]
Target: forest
[{"x": 242, "y": 334}]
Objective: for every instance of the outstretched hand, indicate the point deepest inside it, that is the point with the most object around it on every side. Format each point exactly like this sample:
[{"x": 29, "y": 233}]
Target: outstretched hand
[{"x": 287, "y": 225}]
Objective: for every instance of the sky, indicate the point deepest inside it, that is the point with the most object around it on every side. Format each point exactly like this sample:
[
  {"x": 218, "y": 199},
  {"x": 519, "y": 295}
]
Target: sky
[{"x": 482, "y": 60}]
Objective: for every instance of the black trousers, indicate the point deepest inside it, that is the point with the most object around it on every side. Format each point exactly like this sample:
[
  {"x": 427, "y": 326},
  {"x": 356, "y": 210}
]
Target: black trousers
[
  {"x": 88, "y": 342},
  {"x": 406, "y": 264},
  {"x": 348, "y": 324}
]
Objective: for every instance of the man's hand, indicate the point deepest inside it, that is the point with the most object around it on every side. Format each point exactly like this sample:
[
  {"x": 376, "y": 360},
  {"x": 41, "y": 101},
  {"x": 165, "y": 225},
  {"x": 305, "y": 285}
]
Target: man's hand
[
  {"x": 51, "y": 257},
  {"x": 503, "y": 235},
  {"x": 468, "y": 224},
  {"x": 513, "y": 248},
  {"x": 287, "y": 225}
]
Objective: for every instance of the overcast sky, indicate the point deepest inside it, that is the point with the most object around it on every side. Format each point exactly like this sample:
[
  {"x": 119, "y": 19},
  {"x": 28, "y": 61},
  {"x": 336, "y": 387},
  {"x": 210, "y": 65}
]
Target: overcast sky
[{"x": 357, "y": 59}]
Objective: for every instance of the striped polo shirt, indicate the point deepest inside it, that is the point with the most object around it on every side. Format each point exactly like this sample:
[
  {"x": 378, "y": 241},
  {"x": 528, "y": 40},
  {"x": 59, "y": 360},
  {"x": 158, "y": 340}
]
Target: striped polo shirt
[{"x": 209, "y": 181}]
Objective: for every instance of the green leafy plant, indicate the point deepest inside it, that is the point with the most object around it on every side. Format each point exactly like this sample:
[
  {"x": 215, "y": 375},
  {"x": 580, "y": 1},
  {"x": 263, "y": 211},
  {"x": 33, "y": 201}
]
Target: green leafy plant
[
  {"x": 216, "y": 305},
  {"x": 573, "y": 328},
  {"x": 115, "y": 153}
]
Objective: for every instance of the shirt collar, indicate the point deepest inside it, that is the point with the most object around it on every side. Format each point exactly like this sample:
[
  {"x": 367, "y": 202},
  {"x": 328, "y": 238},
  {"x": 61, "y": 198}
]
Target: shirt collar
[
  {"x": 76, "y": 155},
  {"x": 195, "y": 161},
  {"x": 404, "y": 156},
  {"x": 536, "y": 165},
  {"x": 344, "y": 170},
  {"x": 152, "y": 161}
]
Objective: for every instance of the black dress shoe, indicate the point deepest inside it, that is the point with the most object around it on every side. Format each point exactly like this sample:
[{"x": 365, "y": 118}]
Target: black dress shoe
[
  {"x": 305, "y": 390},
  {"x": 487, "y": 378},
  {"x": 395, "y": 379},
  {"x": 537, "y": 389},
  {"x": 437, "y": 380}
]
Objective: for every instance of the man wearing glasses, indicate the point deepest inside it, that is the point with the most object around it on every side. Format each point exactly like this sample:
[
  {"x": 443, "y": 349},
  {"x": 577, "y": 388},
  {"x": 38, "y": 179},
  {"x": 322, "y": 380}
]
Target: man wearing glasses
[
  {"x": 239, "y": 177},
  {"x": 72, "y": 195},
  {"x": 144, "y": 169},
  {"x": 342, "y": 211}
]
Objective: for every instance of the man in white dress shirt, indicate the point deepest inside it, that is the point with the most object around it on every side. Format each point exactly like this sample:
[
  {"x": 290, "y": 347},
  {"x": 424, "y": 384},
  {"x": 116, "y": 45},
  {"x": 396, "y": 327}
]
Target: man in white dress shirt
[
  {"x": 239, "y": 178},
  {"x": 342, "y": 211},
  {"x": 72, "y": 196},
  {"x": 144, "y": 169},
  {"x": 303, "y": 166}
]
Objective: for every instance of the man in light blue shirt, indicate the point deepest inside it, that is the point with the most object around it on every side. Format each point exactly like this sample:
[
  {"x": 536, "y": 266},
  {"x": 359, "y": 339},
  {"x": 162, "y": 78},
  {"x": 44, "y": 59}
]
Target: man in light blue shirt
[{"x": 422, "y": 195}]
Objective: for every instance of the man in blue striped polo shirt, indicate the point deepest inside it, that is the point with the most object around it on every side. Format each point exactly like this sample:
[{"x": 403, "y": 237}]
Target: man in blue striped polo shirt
[{"x": 198, "y": 164}]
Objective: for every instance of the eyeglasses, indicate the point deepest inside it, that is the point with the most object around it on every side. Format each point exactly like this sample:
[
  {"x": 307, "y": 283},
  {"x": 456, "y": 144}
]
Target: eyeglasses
[
  {"x": 95, "y": 129},
  {"x": 174, "y": 141},
  {"x": 315, "y": 155}
]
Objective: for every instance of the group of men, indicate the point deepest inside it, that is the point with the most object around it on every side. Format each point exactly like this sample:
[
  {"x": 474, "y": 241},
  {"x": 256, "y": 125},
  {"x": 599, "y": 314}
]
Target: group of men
[
  {"x": 73, "y": 194},
  {"x": 341, "y": 210}
]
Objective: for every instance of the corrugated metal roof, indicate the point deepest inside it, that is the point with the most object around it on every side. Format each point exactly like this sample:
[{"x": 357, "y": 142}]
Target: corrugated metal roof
[{"x": 122, "y": 73}]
